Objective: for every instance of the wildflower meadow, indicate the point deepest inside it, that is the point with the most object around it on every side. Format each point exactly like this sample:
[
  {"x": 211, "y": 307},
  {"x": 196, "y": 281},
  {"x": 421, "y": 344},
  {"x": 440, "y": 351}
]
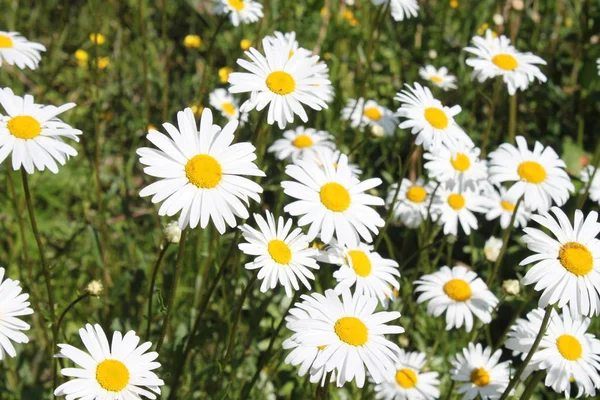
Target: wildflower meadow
[{"x": 308, "y": 199}]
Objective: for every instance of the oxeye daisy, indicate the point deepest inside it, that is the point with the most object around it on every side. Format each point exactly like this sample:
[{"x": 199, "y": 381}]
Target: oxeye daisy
[
  {"x": 363, "y": 113},
  {"x": 228, "y": 105},
  {"x": 301, "y": 143},
  {"x": 460, "y": 164},
  {"x": 430, "y": 120},
  {"x": 335, "y": 156},
  {"x": 412, "y": 202},
  {"x": 282, "y": 256},
  {"x": 409, "y": 382},
  {"x": 240, "y": 11},
  {"x": 588, "y": 173},
  {"x": 16, "y": 50},
  {"x": 400, "y": 9},
  {"x": 539, "y": 175},
  {"x": 350, "y": 333},
  {"x": 200, "y": 172},
  {"x": 332, "y": 200},
  {"x": 371, "y": 274},
  {"x": 502, "y": 206},
  {"x": 567, "y": 267},
  {"x": 119, "y": 370},
  {"x": 478, "y": 372},
  {"x": 494, "y": 56},
  {"x": 439, "y": 77},
  {"x": 454, "y": 207},
  {"x": 283, "y": 83},
  {"x": 13, "y": 304},
  {"x": 459, "y": 293},
  {"x": 33, "y": 134},
  {"x": 287, "y": 40}
]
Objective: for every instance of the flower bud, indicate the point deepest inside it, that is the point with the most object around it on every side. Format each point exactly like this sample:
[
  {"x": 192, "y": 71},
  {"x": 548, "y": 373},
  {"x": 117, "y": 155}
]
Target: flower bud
[
  {"x": 94, "y": 288},
  {"x": 492, "y": 248},
  {"x": 511, "y": 287},
  {"x": 172, "y": 232}
]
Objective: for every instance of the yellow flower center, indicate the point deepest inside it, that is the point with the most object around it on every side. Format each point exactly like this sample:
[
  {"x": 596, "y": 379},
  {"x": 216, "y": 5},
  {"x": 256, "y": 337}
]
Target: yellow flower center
[
  {"x": 322, "y": 347},
  {"x": 112, "y": 375},
  {"x": 238, "y": 5},
  {"x": 456, "y": 201},
  {"x": 360, "y": 262},
  {"x": 480, "y": 377},
  {"x": 280, "y": 82},
  {"x": 373, "y": 113},
  {"x": 510, "y": 207},
  {"x": 532, "y": 172},
  {"x": 302, "y": 141},
  {"x": 436, "y": 117},
  {"x": 576, "y": 258},
  {"x": 335, "y": 197},
  {"x": 505, "y": 61},
  {"x": 458, "y": 290},
  {"x": 82, "y": 55},
  {"x": 203, "y": 171},
  {"x": 279, "y": 251},
  {"x": 228, "y": 108},
  {"x": 5, "y": 42},
  {"x": 436, "y": 79},
  {"x": 461, "y": 163},
  {"x": 24, "y": 127},
  {"x": 569, "y": 347},
  {"x": 406, "y": 378},
  {"x": 351, "y": 330},
  {"x": 416, "y": 194}
]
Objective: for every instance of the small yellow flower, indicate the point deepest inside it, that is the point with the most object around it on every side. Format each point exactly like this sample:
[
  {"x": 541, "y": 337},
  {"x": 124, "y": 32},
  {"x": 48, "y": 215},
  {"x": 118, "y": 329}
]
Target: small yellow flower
[
  {"x": 82, "y": 57},
  {"x": 224, "y": 74},
  {"x": 482, "y": 29},
  {"x": 327, "y": 56},
  {"x": 454, "y": 3},
  {"x": 197, "y": 110},
  {"x": 348, "y": 15},
  {"x": 192, "y": 41},
  {"x": 324, "y": 12},
  {"x": 97, "y": 38},
  {"x": 245, "y": 44},
  {"x": 151, "y": 127},
  {"x": 353, "y": 22},
  {"x": 103, "y": 62}
]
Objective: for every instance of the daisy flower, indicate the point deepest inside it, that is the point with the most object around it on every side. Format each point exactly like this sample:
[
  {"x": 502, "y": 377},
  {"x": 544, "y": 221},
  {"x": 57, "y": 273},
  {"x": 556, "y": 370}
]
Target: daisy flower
[
  {"x": 432, "y": 122},
  {"x": 287, "y": 40},
  {"x": 33, "y": 134},
  {"x": 458, "y": 292},
  {"x": 361, "y": 113},
  {"x": 332, "y": 200},
  {"x": 478, "y": 372},
  {"x": 244, "y": 11},
  {"x": 16, "y": 50},
  {"x": 502, "y": 206},
  {"x": 567, "y": 267},
  {"x": 454, "y": 207},
  {"x": 409, "y": 382},
  {"x": 119, "y": 370},
  {"x": 335, "y": 156},
  {"x": 460, "y": 164},
  {"x": 350, "y": 333},
  {"x": 200, "y": 172},
  {"x": 439, "y": 77},
  {"x": 594, "y": 191},
  {"x": 494, "y": 56},
  {"x": 282, "y": 82},
  {"x": 301, "y": 143},
  {"x": 400, "y": 9},
  {"x": 281, "y": 256},
  {"x": 539, "y": 175},
  {"x": 228, "y": 105},
  {"x": 13, "y": 304},
  {"x": 371, "y": 274},
  {"x": 412, "y": 201}
]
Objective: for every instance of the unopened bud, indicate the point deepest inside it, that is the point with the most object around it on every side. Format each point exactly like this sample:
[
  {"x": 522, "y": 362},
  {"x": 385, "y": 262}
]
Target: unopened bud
[
  {"x": 172, "y": 232},
  {"x": 94, "y": 288},
  {"x": 511, "y": 287},
  {"x": 492, "y": 248},
  {"x": 377, "y": 131}
]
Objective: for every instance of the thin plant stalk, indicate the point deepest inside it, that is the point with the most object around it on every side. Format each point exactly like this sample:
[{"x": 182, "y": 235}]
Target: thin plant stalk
[
  {"x": 163, "y": 249},
  {"x": 490, "y": 122},
  {"x": 533, "y": 381},
  {"x": 69, "y": 307},
  {"x": 512, "y": 118}
]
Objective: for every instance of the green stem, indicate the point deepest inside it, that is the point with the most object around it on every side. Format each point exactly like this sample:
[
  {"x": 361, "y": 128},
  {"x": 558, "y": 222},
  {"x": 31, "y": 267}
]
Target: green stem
[
  {"x": 505, "y": 240},
  {"x": 512, "y": 119},
  {"x": 533, "y": 381},
  {"x": 155, "y": 268},
  {"x": 490, "y": 122},
  {"x": 64, "y": 313}
]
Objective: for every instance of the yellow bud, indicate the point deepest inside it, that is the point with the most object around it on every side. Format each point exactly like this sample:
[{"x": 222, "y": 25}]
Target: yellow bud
[
  {"x": 97, "y": 38},
  {"x": 245, "y": 44},
  {"x": 192, "y": 41}
]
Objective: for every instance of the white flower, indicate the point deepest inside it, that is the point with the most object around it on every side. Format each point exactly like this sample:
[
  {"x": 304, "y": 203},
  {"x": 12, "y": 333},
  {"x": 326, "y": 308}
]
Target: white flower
[
  {"x": 479, "y": 373},
  {"x": 371, "y": 274},
  {"x": 282, "y": 82},
  {"x": 409, "y": 382},
  {"x": 492, "y": 248},
  {"x": 430, "y": 120},
  {"x": 281, "y": 256},
  {"x": 335, "y": 155},
  {"x": 16, "y": 50},
  {"x": 119, "y": 370},
  {"x": 566, "y": 268},
  {"x": 460, "y": 164},
  {"x": 439, "y": 77},
  {"x": 401, "y": 9},
  {"x": 454, "y": 207},
  {"x": 458, "y": 292},
  {"x": 496, "y": 57},
  {"x": 539, "y": 174},
  {"x": 228, "y": 105},
  {"x": 95, "y": 288},
  {"x": 363, "y": 113},
  {"x": 412, "y": 201},
  {"x": 351, "y": 335},
  {"x": 172, "y": 232},
  {"x": 594, "y": 191},
  {"x": 332, "y": 200},
  {"x": 244, "y": 11},
  {"x": 33, "y": 133},
  {"x": 200, "y": 172},
  {"x": 502, "y": 205},
  {"x": 302, "y": 143},
  {"x": 288, "y": 40},
  {"x": 13, "y": 304}
]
